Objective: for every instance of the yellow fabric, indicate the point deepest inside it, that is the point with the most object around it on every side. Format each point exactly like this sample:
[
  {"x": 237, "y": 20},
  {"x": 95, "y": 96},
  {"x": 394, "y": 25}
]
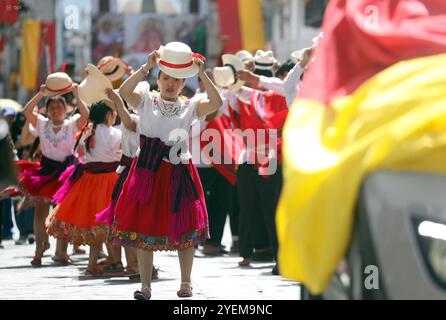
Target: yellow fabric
[
  {"x": 251, "y": 24},
  {"x": 29, "y": 54},
  {"x": 395, "y": 120}
]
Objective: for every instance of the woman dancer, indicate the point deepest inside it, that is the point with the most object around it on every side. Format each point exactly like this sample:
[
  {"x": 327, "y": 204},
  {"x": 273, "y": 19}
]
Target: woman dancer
[{"x": 162, "y": 206}]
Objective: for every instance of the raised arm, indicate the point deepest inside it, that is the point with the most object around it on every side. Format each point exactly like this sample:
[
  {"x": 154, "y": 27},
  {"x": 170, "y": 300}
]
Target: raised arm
[
  {"x": 26, "y": 138},
  {"x": 83, "y": 110},
  {"x": 123, "y": 113},
  {"x": 127, "y": 89},
  {"x": 28, "y": 111},
  {"x": 214, "y": 102}
]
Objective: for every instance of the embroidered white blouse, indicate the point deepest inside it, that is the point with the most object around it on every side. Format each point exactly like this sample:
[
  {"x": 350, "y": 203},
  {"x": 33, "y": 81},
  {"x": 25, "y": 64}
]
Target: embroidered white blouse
[
  {"x": 56, "y": 145},
  {"x": 166, "y": 120}
]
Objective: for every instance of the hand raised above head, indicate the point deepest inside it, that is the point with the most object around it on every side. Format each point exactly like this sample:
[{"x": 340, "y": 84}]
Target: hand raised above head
[
  {"x": 112, "y": 94},
  {"x": 42, "y": 89},
  {"x": 151, "y": 59},
  {"x": 200, "y": 64}
]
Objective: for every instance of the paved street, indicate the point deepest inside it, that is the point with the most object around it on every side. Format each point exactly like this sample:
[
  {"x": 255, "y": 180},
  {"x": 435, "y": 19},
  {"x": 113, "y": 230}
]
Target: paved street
[{"x": 213, "y": 278}]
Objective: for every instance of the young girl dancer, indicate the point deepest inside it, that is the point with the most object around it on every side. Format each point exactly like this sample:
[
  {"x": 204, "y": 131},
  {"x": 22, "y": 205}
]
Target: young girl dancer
[
  {"x": 89, "y": 189},
  {"x": 130, "y": 144},
  {"x": 162, "y": 206},
  {"x": 57, "y": 136}
]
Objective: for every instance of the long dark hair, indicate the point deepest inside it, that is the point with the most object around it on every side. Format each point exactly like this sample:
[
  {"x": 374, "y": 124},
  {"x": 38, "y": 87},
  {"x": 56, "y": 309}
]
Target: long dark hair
[
  {"x": 285, "y": 67},
  {"x": 98, "y": 115}
]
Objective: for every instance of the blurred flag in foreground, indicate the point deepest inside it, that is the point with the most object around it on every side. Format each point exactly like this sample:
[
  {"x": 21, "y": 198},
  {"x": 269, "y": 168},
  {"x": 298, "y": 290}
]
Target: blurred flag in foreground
[{"x": 373, "y": 98}]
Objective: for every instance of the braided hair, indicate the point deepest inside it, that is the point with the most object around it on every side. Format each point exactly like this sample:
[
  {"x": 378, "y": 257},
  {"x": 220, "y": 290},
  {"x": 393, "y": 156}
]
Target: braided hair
[{"x": 98, "y": 115}]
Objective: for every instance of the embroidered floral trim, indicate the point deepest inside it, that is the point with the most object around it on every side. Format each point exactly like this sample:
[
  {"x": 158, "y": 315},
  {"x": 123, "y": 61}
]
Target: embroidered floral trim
[
  {"x": 167, "y": 108},
  {"x": 35, "y": 199},
  {"x": 161, "y": 243},
  {"x": 55, "y": 138},
  {"x": 73, "y": 234}
]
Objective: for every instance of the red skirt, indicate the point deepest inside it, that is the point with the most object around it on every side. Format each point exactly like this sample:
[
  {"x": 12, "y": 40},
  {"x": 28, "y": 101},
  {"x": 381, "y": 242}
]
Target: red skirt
[
  {"x": 28, "y": 170},
  {"x": 152, "y": 225}
]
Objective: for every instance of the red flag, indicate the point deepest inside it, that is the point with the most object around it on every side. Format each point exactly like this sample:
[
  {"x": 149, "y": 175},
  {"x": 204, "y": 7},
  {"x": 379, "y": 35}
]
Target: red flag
[
  {"x": 364, "y": 37},
  {"x": 47, "y": 52},
  {"x": 9, "y": 11}
]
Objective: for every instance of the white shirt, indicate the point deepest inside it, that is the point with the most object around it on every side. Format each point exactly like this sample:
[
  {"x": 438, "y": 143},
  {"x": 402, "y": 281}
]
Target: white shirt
[
  {"x": 130, "y": 139},
  {"x": 172, "y": 128},
  {"x": 56, "y": 146},
  {"x": 289, "y": 88},
  {"x": 107, "y": 145}
]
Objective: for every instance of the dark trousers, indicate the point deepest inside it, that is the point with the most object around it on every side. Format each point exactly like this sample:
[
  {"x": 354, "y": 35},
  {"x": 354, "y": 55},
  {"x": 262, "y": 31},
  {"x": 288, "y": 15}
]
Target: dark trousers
[
  {"x": 5, "y": 207},
  {"x": 1, "y": 222},
  {"x": 25, "y": 220},
  {"x": 217, "y": 194},
  {"x": 258, "y": 199},
  {"x": 234, "y": 210}
]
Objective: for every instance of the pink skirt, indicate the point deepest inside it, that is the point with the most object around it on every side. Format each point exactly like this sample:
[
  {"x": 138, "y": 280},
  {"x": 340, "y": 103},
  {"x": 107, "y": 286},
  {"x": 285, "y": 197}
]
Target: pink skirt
[
  {"x": 38, "y": 187},
  {"x": 105, "y": 218},
  {"x": 153, "y": 225}
]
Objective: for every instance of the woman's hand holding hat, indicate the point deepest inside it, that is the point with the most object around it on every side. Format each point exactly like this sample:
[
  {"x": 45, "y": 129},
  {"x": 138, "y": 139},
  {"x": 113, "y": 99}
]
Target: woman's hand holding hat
[
  {"x": 200, "y": 65},
  {"x": 75, "y": 90},
  {"x": 42, "y": 90},
  {"x": 112, "y": 95},
  {"x": 151, "y": 61},
  {"x": 306, "y": 57}
]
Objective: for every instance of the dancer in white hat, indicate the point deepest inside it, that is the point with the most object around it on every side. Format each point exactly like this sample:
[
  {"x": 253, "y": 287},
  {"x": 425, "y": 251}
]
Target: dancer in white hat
[
  {"x": 287, "y": 87},
  {"x": 162, "y": 206},
  {"x": 57, "y": 137}
]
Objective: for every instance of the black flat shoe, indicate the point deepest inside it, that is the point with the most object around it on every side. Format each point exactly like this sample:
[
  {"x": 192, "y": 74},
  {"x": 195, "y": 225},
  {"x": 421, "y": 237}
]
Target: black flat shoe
[{"x": 139, "y": 295}]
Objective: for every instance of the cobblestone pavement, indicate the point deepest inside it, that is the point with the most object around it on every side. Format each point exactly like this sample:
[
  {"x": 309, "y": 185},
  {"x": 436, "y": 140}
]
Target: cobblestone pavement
[{"x": 217, "y": 278}]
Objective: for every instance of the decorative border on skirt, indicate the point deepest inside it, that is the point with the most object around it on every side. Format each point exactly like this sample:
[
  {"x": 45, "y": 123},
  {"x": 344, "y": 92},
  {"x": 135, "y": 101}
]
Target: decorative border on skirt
[
  {"x": 161, "y": 243},
  {"x": 74, "y": 234},
  {"x": 35, "y": 199}
]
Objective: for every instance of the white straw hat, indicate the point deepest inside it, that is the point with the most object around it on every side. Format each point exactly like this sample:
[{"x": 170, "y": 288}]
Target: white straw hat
[
  {"x": 226, "y": 76},
  {"x": 176, "y": 60},
  {"x": 245, "y": 56},
  {"x": 92, "y": 89},
  {"x": 264, "y": 60},
  {"x": 297, "y": 55},
  {"x": 112, "y": 67},
  {"x": 57, "y": 83}
]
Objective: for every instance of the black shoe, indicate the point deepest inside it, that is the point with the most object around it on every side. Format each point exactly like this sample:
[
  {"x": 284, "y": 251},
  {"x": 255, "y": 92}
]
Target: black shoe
[
  {"x": 1, "y": 246},
  {"x": 275, "y": 270},
  {"x": 31, "y": 239},
  {"x": 223, "y": 250}
]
